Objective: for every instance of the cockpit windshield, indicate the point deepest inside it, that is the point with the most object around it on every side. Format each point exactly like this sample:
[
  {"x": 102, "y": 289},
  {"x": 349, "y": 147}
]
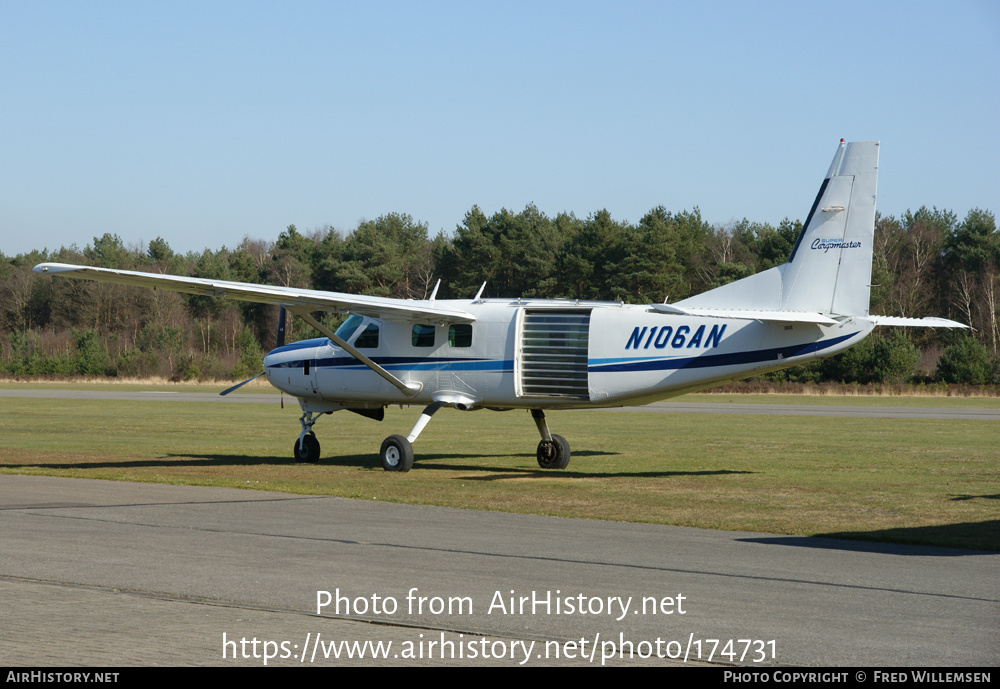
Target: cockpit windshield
[{"x": 348, "y": 327}]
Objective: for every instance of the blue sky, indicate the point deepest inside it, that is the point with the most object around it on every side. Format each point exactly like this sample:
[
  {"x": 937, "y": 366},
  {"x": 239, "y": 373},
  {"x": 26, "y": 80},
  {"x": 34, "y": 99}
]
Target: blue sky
[{"x": 207, "y": 122}]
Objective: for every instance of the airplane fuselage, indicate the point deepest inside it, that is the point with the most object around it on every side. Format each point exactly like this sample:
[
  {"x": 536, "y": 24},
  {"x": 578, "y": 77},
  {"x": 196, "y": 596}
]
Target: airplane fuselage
[{"x": 552, "y": 354}]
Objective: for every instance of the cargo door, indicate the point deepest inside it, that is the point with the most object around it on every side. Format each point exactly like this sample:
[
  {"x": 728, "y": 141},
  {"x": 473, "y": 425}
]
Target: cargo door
[{"x": 552, "y": 354}]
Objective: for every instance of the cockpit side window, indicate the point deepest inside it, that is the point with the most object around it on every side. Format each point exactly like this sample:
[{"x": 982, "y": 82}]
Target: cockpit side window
[{"x": 369, "y": 338}]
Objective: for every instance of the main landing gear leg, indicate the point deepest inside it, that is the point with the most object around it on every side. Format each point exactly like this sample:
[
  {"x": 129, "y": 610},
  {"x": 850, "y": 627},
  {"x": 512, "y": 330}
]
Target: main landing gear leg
[
  {"x": 553, "y": 450},
  {"x": 397, "y": 452},
  {"x": 306, "y": 447}
]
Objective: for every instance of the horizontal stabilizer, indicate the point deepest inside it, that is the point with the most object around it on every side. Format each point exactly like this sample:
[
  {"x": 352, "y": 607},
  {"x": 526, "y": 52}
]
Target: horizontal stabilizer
[
  {"x": 749, "y": 314},
  {"x": 915, "y": 322}
]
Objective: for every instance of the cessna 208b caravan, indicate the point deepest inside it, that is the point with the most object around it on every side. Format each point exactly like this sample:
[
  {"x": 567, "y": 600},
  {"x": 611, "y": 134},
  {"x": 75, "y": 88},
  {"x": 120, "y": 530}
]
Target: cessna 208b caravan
[{"x": 530, "y": 354}]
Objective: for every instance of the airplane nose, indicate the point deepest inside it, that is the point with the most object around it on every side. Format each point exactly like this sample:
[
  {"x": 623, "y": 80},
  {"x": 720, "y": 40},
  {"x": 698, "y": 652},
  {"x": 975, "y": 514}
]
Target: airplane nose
[
  {"x": 268, "y": 371},
  {"x": 292, "y": 367}
]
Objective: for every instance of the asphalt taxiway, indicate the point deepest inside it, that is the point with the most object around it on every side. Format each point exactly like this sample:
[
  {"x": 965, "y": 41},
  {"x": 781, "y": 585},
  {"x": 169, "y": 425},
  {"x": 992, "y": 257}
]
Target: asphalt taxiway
[{"x": 108, "y": 573}]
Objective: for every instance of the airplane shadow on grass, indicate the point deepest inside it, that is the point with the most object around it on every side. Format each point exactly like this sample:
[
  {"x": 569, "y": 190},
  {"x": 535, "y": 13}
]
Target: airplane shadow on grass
[
  {"x": 443, "y": 461},
  {"x": 427, "y": 462},
  {"x": 971, "y": 538}
]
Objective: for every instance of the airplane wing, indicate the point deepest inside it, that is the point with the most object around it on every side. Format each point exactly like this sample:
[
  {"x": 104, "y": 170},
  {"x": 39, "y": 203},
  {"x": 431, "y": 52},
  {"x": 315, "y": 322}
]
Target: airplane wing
[{"x": 376, "y": 307}]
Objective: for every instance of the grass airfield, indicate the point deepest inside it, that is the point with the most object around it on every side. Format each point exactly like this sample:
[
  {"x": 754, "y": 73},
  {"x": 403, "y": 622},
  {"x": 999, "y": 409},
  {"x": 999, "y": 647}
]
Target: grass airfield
[{"x": 924, "y": 482}]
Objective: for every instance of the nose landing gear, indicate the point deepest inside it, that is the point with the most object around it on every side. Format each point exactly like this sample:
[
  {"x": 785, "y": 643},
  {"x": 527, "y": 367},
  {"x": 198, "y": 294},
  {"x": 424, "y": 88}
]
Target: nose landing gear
[{"x": 306, "y": 448}]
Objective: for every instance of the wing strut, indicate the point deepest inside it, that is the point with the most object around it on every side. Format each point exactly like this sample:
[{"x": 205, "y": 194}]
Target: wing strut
[{"x": 408, "y": 389}]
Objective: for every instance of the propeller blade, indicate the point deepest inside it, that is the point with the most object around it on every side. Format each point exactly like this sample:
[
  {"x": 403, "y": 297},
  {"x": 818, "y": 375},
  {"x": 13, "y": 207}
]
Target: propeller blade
[
  {"x": 239, "y": 385},
  {"x": 281, "y": 326},
  {"x": 281, "y": 342}
]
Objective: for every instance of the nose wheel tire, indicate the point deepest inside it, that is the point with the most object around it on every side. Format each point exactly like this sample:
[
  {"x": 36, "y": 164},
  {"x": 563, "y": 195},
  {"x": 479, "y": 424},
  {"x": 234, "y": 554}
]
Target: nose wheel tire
[
  {"x": 396, "y": 454},
  {"x": 553, "y": 455},
  {"x": 308, "y": 450}
]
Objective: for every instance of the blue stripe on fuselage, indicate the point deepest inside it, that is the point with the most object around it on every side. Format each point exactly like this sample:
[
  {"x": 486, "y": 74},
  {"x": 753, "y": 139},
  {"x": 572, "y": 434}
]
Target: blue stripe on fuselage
[
  {"x": 406, "y": 363},
  {"x": 712, "y": 360}
]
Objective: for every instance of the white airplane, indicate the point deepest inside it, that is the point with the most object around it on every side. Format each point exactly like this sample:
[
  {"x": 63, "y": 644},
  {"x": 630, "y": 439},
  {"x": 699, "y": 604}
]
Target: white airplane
[{"x": 531, "y": 354}]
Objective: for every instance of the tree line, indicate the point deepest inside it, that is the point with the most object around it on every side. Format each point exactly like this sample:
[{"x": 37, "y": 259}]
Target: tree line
[{"x": 926, "y": 263}]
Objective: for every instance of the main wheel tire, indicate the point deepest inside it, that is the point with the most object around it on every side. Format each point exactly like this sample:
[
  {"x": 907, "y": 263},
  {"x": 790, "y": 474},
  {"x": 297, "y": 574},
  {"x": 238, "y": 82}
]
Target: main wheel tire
[
  {"x": 553, "y": 455},
  {"x": 396, "y": 454},
  {"x": 308, "y": 450}
]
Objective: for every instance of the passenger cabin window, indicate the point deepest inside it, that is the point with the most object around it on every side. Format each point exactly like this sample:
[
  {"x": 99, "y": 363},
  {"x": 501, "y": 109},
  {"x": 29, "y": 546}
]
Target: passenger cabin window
[
  {"x": 460, "y": 335},
  {"x": 369, "y": 338},
  {"x": 423, "y": 336}
]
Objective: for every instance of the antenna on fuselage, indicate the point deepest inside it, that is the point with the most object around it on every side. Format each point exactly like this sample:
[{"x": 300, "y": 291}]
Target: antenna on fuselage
[
  {"x": 479, "y": 293},
  {"x": 435, "y": 292}
]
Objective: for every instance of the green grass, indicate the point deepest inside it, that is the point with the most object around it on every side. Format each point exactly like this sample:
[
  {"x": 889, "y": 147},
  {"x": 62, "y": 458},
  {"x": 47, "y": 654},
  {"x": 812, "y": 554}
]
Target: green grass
[
  {"x": 925, "y": 401},
  {"x": 898, "y": 480}
]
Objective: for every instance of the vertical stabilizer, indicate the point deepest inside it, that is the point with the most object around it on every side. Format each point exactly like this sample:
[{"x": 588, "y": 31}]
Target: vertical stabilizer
[{"x": 829, "y": 269}]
